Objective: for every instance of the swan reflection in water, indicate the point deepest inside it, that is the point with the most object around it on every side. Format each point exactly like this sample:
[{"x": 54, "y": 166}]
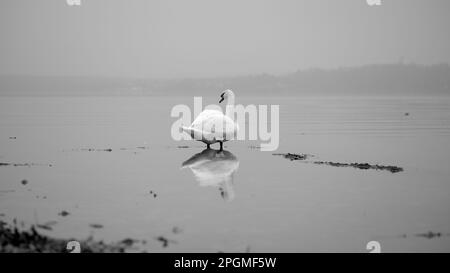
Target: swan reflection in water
[{"x": 214, "y": 168}]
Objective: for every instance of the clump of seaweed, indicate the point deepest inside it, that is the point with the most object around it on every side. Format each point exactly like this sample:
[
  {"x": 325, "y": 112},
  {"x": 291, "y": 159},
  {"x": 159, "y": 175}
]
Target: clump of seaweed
[
  {"x": 362, "y": 166},
  {"x": 431, "y": 235},
  {"x": 63, "y": 213},
  {"x": 4, "y": 164},
  {"x": 427, "y": 235},
  {"x": 13, "y": 240},
  {"x": 96, "y": 150},
  {"x": 165, "y": 241},
  {"x": 182, "y": 146},
  {"x": 293, "y": 157}
]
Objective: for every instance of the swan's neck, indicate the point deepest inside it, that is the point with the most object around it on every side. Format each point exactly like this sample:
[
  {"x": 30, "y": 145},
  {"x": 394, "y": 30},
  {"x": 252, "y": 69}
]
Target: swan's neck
[{"x": 229, "y": 109}]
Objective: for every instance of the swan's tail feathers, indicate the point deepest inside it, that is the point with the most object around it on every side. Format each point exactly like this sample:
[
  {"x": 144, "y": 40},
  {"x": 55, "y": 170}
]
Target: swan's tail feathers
[
  {"x": 186, "y": 129},
  {"x": 198, "y": 134},
  {"x": 194, "y": 133}
]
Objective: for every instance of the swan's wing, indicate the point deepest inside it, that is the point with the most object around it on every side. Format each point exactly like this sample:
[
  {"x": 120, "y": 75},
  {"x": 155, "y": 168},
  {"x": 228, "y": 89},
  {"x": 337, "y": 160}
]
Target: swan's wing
[
  {"x": 227, "y": 129},
  {"x": 204, "y": 117},
  {"x": 198, "y": 134},
  {"x": 215, "y": 124}
]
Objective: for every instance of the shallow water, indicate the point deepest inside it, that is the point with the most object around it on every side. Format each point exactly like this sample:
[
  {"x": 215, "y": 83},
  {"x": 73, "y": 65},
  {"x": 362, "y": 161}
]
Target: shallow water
[{"x": 244, "y": 200}]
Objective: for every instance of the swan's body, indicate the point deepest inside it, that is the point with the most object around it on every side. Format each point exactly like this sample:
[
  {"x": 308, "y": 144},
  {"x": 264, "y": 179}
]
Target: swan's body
[
  {"x": 203, "y": 128},
  {"x": 213, "y": 126}
]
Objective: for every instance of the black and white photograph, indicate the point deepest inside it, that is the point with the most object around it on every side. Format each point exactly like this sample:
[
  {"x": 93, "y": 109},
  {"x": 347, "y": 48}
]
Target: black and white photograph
[{"x": 209, "y": 126}]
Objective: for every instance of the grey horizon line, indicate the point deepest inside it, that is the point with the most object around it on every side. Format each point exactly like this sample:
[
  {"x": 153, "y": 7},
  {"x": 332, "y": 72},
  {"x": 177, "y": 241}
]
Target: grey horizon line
[{"x": 267, "y": 74}]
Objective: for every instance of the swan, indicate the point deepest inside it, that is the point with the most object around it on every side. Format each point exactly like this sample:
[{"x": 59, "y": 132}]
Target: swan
[
  {"x": 214, "y": 168},
  {"x": 213, "y": 126}
]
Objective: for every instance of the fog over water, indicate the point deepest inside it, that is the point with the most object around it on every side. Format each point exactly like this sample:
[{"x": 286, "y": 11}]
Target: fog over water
[
  {"x": 204, "y": 38},
  {"x": 86, "y": 94}
]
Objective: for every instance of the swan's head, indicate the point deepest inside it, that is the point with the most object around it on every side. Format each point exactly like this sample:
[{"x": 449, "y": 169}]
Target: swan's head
[{"x": 225, "y": 95}]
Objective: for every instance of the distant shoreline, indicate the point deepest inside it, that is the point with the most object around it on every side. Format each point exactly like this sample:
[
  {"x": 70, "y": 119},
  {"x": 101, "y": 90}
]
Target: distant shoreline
[{"x": 369, "y": 80}]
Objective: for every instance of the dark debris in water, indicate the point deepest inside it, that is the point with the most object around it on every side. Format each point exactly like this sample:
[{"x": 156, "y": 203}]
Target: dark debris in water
[
  {"x": 165, "y": 241},
  {"x": 427, "y": 235},
  {"x": 154, "y": 194},
  {"x": 13, "y": 240},
  {"x": 176, "y": 230},
  {"x": 39, "y": 196},
  {"x": 96, "y": 150},
  {"x": 4, "y": 164},
  {"x": 46, "y": 227},
  {"x": 136, "y": 148},
  {"x": 293, "y": 157},
  {"x": 362, "y": 166},
  {"x": 109, "y": 149},
  {"x": 24, "y": 182},
  {"x": 128, "y": 241},
  {"x": 98, "y": 226},
  {"x": 430, "y": 235},
  {"x": 252, "y": 147},
  {"x": 90, "y": 150},
  {"x": 63, "y": 213}
]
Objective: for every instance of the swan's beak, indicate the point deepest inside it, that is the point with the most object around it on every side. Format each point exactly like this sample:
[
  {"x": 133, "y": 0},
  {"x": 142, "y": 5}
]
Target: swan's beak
[{"x": 221, "y": 99}]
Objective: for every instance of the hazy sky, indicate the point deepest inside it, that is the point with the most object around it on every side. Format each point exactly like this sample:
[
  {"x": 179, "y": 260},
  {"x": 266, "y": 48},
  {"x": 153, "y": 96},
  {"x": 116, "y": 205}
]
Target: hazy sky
[{"x": 203, "y": 38}]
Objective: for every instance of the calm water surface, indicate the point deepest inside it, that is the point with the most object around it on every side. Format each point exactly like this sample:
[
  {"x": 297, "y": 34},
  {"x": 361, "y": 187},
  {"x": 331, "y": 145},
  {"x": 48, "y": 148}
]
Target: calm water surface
[{"x": 149, "y": 185}]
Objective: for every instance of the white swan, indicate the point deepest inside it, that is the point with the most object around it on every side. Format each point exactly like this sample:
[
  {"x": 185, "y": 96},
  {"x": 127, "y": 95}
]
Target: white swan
[{"x": 213, "y": 126}]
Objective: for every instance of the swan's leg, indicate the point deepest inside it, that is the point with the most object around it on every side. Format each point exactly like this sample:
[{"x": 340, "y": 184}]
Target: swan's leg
[
  {"x": 207, "y": 146},
  {"x": 221, "y": 146}
]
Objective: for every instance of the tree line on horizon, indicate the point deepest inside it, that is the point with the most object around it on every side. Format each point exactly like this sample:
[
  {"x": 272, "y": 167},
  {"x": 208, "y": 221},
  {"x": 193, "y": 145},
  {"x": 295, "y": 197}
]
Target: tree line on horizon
[{"x": 376, "y": 79}]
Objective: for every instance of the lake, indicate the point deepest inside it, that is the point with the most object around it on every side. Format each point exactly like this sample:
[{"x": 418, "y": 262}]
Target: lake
[{"x": 107, "y": 167}]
